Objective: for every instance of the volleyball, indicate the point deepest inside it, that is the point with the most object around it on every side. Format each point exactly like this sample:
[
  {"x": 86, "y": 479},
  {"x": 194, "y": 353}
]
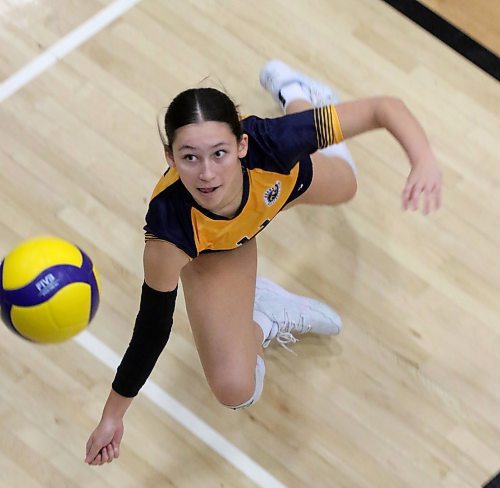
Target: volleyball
[{"x": 49, "y": 290}]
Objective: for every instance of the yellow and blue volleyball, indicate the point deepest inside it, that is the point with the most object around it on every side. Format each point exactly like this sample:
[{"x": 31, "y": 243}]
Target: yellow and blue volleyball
[{"x": 49, "y": 290}]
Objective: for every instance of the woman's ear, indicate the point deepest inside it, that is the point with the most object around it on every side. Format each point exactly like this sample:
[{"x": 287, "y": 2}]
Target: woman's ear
[
  {"x": 169, "y": 156},
  {"x": 243, "y": 146}
]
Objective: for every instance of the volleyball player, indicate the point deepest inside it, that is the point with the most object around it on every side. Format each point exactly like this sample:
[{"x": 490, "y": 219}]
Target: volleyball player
[{"x": 227, "y": 179}]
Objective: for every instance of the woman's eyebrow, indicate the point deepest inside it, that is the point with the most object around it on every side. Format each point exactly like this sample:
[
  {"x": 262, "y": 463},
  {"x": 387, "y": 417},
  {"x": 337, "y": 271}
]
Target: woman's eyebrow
[{"x": 192, "y": 148}]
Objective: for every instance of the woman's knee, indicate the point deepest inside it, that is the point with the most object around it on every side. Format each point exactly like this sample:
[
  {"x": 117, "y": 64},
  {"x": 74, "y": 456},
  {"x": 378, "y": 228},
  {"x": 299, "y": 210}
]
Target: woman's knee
[
  {"x": 334, "y": 181},
  {"x": 240, "y": 390},
  {"x": 346, "y": 182},
  {"x": 351, "y": 189},
  {"x": 232, "y": 390}
]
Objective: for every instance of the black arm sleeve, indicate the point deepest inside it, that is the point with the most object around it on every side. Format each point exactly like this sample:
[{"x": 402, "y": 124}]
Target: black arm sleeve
[{"x": 151, "y": 333}]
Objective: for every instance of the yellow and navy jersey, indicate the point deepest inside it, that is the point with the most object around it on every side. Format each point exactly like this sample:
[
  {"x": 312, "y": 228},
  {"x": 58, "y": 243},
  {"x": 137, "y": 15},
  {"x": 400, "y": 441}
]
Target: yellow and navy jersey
[{"x": 276, "y": 170}]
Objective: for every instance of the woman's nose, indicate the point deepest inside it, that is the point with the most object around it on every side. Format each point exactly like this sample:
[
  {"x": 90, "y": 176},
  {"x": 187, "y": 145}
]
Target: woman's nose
[{"x": 207, "y": 172}]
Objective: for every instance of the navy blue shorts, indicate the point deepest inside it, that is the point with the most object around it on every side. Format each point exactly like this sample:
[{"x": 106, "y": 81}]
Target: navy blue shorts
[{"x": 304, "y": 179}]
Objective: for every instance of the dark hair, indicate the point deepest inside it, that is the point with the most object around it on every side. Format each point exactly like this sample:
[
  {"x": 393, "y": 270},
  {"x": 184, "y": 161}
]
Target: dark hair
[{"x": 198, "y": 105}]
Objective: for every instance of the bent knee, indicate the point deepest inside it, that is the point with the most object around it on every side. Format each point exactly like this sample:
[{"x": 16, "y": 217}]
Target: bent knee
[
  {"x": 233, "y": 391},
  {"x": 344, "y": 190},
  {"x": 334, "y": 181},
  {"x": 351, "y": 189}
]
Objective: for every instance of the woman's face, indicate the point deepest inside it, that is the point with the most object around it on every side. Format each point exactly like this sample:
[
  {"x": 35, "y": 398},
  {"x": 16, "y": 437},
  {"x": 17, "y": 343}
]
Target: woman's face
[{"x": 206, "y": 156}]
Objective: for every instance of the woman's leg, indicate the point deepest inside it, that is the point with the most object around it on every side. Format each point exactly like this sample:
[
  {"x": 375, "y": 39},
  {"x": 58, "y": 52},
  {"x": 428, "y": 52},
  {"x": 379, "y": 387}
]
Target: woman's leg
[
  {"x": 334, "y": 180},
  {"x": 219, "y": 289}
]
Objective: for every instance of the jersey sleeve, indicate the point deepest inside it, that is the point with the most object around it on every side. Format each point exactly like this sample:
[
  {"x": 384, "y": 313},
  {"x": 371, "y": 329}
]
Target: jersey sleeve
[
  {"x": 285, "y": 140},
  {"x": 168, "y": 219}
]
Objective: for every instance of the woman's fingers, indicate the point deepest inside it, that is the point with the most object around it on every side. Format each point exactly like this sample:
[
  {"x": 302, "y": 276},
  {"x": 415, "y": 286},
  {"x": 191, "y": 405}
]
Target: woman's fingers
[
  {"x": 103, "y": 445},
  {"x": 416, "y": 197},
  {"x": 424, "y": 182},
  {"x": 96, "y": 461},
  {"x": 427, "y": 200},
  {"x": 92, "y": 451},
  {"x": 407, "y": 194},
  {"x": 105, "y": 455},
  {"x": 116, "y": 449},
  {"x": 111, "y": 453},
  {"x": 430, "y": 194}
]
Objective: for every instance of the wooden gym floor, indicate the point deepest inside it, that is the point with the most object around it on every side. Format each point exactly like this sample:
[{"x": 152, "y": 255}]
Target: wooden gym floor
[{"x": 407, "y": 395}]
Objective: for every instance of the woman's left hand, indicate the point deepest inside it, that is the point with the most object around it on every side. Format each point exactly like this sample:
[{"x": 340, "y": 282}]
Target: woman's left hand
[{"x": 424, "y": 178}]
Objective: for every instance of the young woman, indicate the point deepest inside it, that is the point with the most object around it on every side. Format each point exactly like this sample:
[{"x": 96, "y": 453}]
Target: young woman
[{"x": 227, "y": 179}]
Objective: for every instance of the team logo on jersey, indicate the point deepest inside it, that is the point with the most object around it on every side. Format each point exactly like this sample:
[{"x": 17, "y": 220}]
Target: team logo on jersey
[{"x": 272, "y": 194}]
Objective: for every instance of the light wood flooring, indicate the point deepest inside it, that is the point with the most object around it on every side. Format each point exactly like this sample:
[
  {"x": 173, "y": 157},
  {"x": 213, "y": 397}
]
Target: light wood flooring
[{"x": 407, "y": 395}]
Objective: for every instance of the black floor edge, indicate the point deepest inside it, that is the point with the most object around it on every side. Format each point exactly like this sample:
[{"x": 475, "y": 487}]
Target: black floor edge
[
  {"x": 493, "y": 483},
  {"x": 450, "y": 35}
]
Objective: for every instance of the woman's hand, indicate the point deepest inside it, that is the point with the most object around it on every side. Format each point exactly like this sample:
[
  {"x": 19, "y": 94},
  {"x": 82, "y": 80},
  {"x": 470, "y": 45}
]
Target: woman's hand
[
  {"x": 104, "y": 443},
  {"x": 424, "y": 178},
  {"x": 360, "y": 116}
]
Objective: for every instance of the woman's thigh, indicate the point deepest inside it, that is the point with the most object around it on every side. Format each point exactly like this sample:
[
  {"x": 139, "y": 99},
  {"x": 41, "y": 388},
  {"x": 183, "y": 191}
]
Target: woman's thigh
[
  {"x": 333, "y": 182},
  {"x": 219, "y": 289}
]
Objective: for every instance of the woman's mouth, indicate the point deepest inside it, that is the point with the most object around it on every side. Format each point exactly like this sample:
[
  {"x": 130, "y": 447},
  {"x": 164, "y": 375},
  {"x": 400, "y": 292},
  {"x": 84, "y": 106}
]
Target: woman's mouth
[{"x": 208, "y": 190}]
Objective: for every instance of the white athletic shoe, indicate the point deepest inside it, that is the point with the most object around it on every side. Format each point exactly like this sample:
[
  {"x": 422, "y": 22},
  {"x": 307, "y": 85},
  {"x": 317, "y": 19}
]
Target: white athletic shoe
[
  {"x": 292, "y": 313},
  {"x": 276, "y": 74}
]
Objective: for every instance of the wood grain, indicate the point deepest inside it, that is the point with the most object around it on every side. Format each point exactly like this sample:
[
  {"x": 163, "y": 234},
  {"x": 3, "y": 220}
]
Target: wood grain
[{"x": 407, "y": 395}]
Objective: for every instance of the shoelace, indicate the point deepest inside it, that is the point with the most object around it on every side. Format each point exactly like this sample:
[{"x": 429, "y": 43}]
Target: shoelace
[{"x": 284, "y": 335}]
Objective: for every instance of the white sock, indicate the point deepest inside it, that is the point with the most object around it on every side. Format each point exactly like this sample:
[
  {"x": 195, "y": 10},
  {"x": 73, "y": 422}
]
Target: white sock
[
  {"x": 293, "y": 91},
  {"x": 269, "y": 328},
  {"x": 342, "y": 151}
]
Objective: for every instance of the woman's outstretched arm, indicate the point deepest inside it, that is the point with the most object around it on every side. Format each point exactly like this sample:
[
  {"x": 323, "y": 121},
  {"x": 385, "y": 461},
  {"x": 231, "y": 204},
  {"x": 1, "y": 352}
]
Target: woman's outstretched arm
[{"x": 392, "y": 114}]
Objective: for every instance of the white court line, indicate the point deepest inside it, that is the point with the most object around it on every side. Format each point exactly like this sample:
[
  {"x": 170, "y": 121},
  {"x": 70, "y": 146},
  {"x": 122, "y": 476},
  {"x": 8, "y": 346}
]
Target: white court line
[
  {"x": 65, "y": 45},
  {"x": 185, "y": 417},
  {"x": 93, "y": 345}
]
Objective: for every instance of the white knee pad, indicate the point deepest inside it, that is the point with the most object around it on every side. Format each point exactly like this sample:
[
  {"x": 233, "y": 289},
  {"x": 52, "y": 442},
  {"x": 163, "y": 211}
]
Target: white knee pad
[{"x": 260, "y": 372}]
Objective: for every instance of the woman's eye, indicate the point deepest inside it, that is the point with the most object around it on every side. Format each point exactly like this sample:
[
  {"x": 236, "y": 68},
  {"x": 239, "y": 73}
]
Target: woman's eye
[
  {"x": 189, "y": 157},
  {"x": 220, "y": 153}
]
